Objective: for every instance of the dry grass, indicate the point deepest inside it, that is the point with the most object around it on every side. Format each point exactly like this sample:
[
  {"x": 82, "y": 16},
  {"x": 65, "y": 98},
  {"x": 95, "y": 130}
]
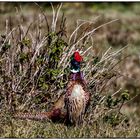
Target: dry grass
[{"x": 34, "y": 70}]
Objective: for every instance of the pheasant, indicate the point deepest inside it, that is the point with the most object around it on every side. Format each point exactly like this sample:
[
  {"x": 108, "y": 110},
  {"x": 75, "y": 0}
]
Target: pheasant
[
  {"x": 71, "y": 106},
  {"x": 77, "y": 96}
]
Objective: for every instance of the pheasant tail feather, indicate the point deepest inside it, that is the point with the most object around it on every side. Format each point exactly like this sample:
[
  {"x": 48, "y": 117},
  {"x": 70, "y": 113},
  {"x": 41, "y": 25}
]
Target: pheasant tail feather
[{"x": 37, "y": 116}]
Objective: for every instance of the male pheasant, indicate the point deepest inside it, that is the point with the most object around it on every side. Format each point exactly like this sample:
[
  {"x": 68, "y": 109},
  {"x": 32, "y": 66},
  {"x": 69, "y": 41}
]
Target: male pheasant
[
  {"x": 76, "y": 97},
  {"x": 72, "y": 105}
]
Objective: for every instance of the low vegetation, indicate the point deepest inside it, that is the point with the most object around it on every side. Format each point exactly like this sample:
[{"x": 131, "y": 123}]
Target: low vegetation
[{"x": 34, "y": 73}]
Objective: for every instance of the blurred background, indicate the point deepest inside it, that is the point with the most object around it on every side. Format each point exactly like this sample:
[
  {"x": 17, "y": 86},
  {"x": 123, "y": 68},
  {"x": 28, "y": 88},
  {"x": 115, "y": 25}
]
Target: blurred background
[{"x": 125, "y": 31}]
